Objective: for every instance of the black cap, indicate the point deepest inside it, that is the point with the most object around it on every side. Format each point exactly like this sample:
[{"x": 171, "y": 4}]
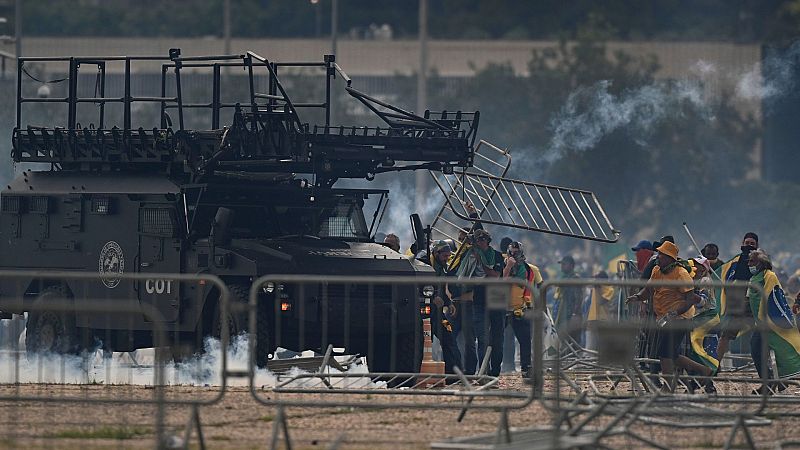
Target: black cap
[{"x": 567, "y": 259}]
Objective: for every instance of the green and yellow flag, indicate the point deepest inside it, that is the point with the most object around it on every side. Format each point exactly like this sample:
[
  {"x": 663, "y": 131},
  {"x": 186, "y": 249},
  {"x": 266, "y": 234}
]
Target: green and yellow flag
[
  {"x": 702, "y": 326},
  {"x": 774, "y": 310},
  {"x": 725, "y": 273}
]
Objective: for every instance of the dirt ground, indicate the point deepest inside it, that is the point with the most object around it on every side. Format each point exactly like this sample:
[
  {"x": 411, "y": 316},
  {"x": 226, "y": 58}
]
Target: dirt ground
[{"x": 239, "y": 421}]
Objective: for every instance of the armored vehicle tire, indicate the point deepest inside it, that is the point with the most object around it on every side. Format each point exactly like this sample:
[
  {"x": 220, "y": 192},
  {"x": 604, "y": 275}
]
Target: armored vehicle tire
[
  {"x": 238, "y": 323},
  {"x": 51, "y": 331},
  {"x": 408, "y": 359}
]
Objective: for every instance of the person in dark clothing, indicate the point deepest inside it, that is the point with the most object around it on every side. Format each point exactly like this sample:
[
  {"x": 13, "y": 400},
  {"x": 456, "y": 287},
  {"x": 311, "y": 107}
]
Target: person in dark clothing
[
  {"x": 644, "y": 252},
  {"x": 569, "y": 300},
  {"x": 504, "y": 245},
  {"x": 443, "y": 307},
  {"x": 711, "y": 253},
  {"x": 461, "y": 319},
  {"x": 734, "y": 309}
]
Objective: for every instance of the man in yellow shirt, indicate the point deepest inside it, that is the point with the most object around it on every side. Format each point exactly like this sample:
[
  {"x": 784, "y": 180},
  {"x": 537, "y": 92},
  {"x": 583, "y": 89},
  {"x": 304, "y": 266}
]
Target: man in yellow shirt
[{"x": 673, "y": 307}]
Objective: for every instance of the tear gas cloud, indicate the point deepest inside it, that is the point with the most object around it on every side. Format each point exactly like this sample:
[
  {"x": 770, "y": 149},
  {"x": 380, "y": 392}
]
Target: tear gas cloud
[
  {"x": 199, "y": 370},
  {"x": 593, "y": 112}
]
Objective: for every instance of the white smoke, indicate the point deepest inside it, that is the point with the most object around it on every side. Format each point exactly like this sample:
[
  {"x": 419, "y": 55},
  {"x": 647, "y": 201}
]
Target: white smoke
[
  {"x": 703, "y": 69},
  {"x": 774, "y": 77},
  {"x": 592, "y": 112},
  {"x": 402, "y": 203},
  {"x": 137, "y": 368}
]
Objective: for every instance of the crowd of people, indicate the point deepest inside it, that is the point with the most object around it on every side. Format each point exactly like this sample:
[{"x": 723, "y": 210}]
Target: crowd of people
[
  {"x": 692, "y": 322},
  {"x": 687, "y": 315}
]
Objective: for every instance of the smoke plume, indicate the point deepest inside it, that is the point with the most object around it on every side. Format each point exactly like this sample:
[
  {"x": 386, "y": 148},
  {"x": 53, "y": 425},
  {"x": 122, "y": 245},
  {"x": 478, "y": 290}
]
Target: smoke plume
[
  {"x": 201, "y": 370},
  {"x": 592, "y": 112}
]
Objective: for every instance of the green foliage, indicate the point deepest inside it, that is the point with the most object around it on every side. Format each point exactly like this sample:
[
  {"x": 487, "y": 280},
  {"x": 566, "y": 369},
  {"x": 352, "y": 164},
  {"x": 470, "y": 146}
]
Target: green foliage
[{"x": 449, "y": 19}]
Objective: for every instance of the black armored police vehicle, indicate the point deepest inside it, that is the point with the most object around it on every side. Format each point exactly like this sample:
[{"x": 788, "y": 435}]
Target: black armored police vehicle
[{"x": 118, "y": 179}]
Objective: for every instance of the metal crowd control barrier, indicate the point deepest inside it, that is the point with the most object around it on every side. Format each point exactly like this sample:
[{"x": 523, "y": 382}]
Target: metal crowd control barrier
[
  {"x": 488, "y": 160},
  {"x": 77, "y": 304},
  {"x": 614, "y": 381},
  {"x": 378, "y": 317}
]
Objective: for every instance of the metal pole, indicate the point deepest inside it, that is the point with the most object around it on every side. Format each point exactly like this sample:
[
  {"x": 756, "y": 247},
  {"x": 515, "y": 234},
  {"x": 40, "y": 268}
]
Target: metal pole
[
  {"x": 422, "y": 75},
  {"x": 317, "y": 19},
  {"x": 334, "y": 24},
  {"x": 18, "y": 28},
  {"x": 421, "y": 176},
  {"x": 226, "y": 26}
]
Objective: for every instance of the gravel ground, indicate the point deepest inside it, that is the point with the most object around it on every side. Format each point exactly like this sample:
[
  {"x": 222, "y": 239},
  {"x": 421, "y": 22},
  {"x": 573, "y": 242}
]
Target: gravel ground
[{"x": 238, "y": 421}]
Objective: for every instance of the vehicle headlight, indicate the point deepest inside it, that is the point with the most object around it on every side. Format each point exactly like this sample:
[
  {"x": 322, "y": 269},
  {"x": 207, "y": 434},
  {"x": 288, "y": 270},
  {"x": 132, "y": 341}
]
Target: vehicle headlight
[
  {"x": 268, "y": 288},
  {"x": 428, "y": 291}
]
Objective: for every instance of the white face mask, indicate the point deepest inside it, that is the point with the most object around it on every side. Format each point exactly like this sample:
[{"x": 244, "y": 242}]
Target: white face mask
[{"x": 753, "y": 269}]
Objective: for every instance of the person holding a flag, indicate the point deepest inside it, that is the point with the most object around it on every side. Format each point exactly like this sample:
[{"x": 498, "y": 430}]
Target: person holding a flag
[
  {"x": 706, "y": 316},
  {"x": 775, "y": 322}
]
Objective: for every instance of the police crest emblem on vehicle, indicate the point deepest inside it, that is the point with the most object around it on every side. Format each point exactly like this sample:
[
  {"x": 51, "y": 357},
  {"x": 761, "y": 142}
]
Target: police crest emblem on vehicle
[{"x": 112, "y": 262}]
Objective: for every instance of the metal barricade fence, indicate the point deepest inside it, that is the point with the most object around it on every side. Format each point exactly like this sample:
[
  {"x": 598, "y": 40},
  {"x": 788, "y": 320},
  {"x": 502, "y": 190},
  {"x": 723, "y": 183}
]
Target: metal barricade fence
[
  {"x": 377, "y": 317},
  {"x": 582, "y": 385},
  {"x": 75, "y": 321}
]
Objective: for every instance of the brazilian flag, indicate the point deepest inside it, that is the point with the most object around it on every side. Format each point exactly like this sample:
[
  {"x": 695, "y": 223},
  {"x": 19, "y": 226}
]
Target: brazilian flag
[
  {"x": 774, "y": 311},
  {"x": 455, "y": 258},
  {"x": 725, "y": 273},
  {"x": 702, "y": 324}
]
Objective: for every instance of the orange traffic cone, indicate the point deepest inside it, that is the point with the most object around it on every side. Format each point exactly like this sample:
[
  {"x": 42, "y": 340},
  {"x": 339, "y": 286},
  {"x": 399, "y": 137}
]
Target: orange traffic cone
[{"x": 429, "y": 366}]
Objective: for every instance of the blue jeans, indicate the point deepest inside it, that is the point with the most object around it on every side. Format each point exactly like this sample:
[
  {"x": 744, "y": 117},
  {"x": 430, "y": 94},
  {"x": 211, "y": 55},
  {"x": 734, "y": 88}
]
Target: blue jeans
[{"x": 489, "y": 328}]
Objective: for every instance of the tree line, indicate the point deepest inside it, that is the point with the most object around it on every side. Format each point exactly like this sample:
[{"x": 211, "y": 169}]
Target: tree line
[{"x": 740, "y": 21}]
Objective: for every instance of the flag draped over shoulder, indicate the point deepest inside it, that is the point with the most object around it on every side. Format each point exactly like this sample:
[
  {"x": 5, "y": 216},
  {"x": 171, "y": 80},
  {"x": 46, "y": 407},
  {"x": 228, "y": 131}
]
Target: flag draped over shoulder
[
  {"x": 774, "y": 310},
  {"x": 725, "y": 273}
]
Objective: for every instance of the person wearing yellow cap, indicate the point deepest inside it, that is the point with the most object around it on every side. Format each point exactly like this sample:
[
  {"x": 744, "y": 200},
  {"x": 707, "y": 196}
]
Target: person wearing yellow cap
[{"x": 673, "y": 307}]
